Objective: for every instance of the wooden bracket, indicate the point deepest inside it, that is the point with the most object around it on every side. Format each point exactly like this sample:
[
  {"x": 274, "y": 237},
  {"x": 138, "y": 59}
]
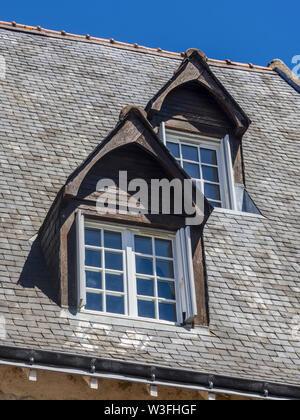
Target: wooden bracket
[
  {"x": 93, "y": 383},
  {"x": 30, "y": 374},
  {"x": 153, "y": 391}
]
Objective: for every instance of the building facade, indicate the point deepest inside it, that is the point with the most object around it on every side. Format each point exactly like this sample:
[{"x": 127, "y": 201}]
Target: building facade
[{"x": 114, "y": 283}]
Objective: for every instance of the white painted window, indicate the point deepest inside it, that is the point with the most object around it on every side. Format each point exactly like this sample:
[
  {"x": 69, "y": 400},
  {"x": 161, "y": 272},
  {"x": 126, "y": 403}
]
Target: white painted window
[
  {"x": 135, "y": 273},
  {"x": 207, "y": 161}
]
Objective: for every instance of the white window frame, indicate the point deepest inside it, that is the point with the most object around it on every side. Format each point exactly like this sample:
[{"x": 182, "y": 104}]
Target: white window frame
[
  {"x": 184, "y": 281},
  {"x": 222, "y": 148}
]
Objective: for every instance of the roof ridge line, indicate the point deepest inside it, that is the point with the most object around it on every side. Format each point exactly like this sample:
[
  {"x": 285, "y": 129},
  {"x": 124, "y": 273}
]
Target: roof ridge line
[{"x": 38, "y": 30}]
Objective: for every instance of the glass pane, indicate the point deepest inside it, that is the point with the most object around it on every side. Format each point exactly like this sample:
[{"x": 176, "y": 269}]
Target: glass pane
[
  {"x": 145, "y": 287},
  {"x": 114, "y": 282},
  {"x": 164, "y": 269},
  {"x": 93, "y": 279},
  {"x": 210, "y": 174},
  {"x": 92, "y": 237},
  {"x": 112, "y": 240},
  {"x": 166, "y": 290},
  {"x": 192, "y": 169},
  {"x": 144, "y": 265},
  {"x": 174, "y": 149},
  {"x": 212, "y": 191},
  {"x": 93, "y": 258},
  {"x": 215, "y": 204},
  {"x": 209, "y": 156},
  {"x": 190, "y": 153},
  {"x": 143, "y": 245},
  {"x": 94, "y": 302},
  {"x": 115, "y": 304},
  {"x": 163, "y": 248},
  {"x": 167, "y": 312},
  {"x": 146, "y": 309},
  {"x": 113, "y": 261}
]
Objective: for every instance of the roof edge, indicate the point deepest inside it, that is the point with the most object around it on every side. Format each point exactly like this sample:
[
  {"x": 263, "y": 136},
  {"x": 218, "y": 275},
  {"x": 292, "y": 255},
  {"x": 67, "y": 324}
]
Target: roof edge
[
  {"x": 146, "y": 373},
  {"x": 38, "y": 30},
  {"x": 282, "y": 69}
]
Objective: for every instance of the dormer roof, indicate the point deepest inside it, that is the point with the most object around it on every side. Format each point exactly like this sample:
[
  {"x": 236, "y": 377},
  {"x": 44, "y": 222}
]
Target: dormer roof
[{"x": 195, "y": 69}]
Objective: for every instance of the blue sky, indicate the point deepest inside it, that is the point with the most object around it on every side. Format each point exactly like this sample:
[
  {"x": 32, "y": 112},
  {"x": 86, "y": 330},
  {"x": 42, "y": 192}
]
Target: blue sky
[{"x": 247, "y": 31}]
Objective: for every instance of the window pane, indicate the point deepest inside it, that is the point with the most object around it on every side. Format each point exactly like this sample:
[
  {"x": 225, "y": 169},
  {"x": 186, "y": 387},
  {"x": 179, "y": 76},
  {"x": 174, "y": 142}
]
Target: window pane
[
  {"x": 115, "y": 304},
  {"x": 209, "y": 156},
  {"x": 146, "y": 309},
  {"x": 163, "y": 248},
  {"x": 167, "y": 312},
  {"x": 215, "y": 204},
  {"x": 190, "y": 153},
  {"x": 210, "y": 174},
  {"x": 166, "y": 290},
  {"x": 164, "y": 269},
  {"x": 112, "y": 240},
  {"x": 144, "y": 265},
  {"x": 113, "y": 261},
  {"x": 114, "y": 282},
  {"x": 92, "y": 237},
  {"x": 93, "y": 258},
  {"x": 174, "y": 149},
  {"x": 145, "y": 287},
  {"x": 94, "y": 301},
  {"x": 93, "y": 279},
  {"x": 212, "y": 191},
  {"x": 143, "y": 245},
  {"x": 192, "y": 169}
]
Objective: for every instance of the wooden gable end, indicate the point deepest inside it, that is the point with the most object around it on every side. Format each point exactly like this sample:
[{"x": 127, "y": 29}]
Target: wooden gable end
[
  {"x": 137, "y": 164},
  {"x": 191, "y": 108},
  {"x": 195, "y": 100}
]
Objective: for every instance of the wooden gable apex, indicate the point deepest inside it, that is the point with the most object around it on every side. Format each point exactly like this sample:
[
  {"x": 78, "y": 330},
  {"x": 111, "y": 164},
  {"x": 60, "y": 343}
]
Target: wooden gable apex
[{"x": 195, "y": 70}]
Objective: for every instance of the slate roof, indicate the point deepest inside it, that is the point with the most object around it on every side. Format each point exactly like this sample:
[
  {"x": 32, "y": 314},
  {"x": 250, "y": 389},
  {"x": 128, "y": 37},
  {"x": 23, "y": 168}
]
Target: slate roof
[{"x": 59, "y": 99}]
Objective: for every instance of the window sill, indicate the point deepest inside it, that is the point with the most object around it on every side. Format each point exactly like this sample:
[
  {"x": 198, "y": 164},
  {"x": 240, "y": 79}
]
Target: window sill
[
  {"x": 129, "y": 318},
  {"x": 238, "y": 213},
  {"x": 123, "y": 321}
]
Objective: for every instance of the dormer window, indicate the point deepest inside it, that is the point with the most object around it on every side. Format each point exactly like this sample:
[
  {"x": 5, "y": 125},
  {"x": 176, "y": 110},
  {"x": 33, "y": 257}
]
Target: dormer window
[
  {"x": 204, "y": 160},
  {"x": 132, "y": 272}
]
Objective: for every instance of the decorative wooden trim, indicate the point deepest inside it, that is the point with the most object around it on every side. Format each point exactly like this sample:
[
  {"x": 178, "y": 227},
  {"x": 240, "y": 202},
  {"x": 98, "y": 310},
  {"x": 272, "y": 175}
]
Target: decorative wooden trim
[{"x": 195, "y": 69}]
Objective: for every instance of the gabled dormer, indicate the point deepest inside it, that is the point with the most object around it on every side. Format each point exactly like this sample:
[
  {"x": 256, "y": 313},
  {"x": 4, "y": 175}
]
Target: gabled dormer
[
  {"x": 120, "y": 239},
  {"x": 202, "y": 125},
  {"x": 195, "y": 93}
]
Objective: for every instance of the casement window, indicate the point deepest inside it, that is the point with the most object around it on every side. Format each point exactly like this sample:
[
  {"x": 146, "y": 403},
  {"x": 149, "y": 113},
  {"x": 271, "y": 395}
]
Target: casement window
[
  {"x": 208, "y": 162},
  {"x": 133, "y": 273}
]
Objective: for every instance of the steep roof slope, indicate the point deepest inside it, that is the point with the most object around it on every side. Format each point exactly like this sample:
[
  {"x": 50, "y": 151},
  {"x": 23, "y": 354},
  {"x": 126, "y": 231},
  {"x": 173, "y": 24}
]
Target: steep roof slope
[{"x": 59, "y": 99}]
